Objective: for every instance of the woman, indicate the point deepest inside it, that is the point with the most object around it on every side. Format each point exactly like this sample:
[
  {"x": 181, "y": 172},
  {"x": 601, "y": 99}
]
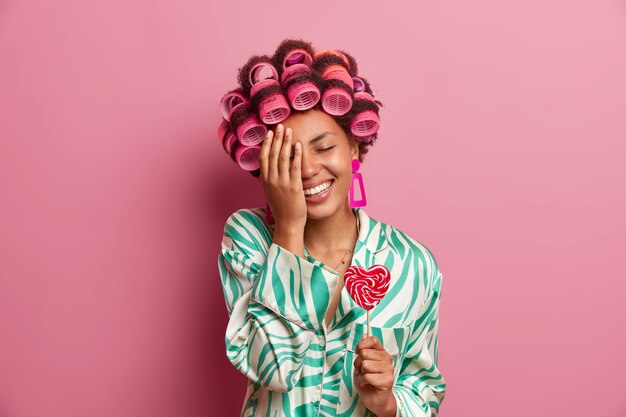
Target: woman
[{"x": 294, "y": 331}]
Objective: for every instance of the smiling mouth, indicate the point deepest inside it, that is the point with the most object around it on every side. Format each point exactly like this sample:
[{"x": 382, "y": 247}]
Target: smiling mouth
[{"x": 312, "y": 192}]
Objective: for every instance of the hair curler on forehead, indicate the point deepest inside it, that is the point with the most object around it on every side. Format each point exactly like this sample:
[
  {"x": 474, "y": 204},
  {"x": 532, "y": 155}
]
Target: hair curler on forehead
[
  {"x": 302, "y": 91},
  {"x": 295, "y": 78},
  {"x": 272, "y": 104},
  {"x": 337, "y": 99}
]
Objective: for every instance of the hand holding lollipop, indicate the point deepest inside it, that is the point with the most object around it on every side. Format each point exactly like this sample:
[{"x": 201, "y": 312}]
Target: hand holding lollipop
[{"x": 373, "y": 367}]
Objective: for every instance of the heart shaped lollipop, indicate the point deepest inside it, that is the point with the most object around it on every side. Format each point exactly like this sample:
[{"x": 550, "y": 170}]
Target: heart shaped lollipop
[{"x": 367, "y": 286}]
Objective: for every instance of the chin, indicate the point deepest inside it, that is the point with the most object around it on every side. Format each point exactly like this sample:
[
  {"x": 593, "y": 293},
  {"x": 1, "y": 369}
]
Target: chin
[
  {"x": 319, "y": 213},
  {"x": 322, "y": 211}
]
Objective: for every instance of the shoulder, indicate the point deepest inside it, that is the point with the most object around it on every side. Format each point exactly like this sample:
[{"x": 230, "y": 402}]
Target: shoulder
[
  {"x": 410, "y": 249},
  {"x": 254, "y": 217},
  {"x": 247, "y": 227}
]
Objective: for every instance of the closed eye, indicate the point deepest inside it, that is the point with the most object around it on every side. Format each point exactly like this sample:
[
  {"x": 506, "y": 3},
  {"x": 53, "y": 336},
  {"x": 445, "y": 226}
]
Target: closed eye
[{"x": 326, "y": 149}]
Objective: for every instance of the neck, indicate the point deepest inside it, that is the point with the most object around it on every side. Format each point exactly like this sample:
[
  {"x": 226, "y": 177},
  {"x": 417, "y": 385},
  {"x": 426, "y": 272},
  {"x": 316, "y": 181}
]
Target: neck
[{"x": 338, "y": 231}]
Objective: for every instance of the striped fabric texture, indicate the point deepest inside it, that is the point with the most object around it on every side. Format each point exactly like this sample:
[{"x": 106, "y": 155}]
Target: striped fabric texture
[{"x": 277, "y": 336}]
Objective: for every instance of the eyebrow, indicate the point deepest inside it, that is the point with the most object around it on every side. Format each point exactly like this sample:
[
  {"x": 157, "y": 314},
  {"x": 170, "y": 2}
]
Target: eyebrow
[{"x": 319, "y": 137}]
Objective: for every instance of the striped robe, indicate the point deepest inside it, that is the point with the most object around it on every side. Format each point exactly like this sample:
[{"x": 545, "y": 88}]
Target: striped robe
[{"x": 277, "y": 336}]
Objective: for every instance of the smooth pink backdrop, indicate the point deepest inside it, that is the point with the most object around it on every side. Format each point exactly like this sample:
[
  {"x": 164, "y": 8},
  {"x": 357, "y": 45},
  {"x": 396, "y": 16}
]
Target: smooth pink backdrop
[{"x": 502, "y": 149}]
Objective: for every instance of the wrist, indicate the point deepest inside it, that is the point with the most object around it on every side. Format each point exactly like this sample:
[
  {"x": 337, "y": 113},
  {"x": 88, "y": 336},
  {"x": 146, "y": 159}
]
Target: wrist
[
  {"x": 388, "y": 408},
  {"x": 290, "y": 237}
]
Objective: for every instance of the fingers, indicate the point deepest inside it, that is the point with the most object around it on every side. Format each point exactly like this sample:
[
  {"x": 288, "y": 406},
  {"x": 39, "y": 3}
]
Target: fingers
[
  {"x": 284, "y": 157},
  {"x": 382, "y": 381},
  {"x": 296, "y": 172},
  {"x": 264, "y": 155},
  {"x": 370, "y": 342},
  {"x": 275, "y": 153},
  {"x": 371, "y": 355},
  {"x": 372, "y": 366},
  {"x": 375, "y": 368},
  {"x": 275, "y": 156},
  {"x": 371, "y": 349}
]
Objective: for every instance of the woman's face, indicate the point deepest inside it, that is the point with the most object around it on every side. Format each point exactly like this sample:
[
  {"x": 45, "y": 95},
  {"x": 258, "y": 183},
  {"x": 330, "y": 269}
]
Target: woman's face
[{"x": 327, "y": 155}]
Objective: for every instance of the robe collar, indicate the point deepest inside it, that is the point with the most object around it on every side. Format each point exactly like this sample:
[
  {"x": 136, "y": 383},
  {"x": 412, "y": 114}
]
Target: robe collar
[
  {"x": 371, "y": 234},
  {"x": 371, "y": 248}
]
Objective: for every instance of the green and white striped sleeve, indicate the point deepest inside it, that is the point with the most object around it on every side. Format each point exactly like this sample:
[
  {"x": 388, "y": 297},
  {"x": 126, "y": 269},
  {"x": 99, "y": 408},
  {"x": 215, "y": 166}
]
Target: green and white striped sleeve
[
  {"x": 276, "y": 301},
  {"x": 420, "y": 387}
]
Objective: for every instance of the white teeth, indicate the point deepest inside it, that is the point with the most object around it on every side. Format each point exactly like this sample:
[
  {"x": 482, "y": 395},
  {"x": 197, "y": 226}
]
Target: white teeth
[{"x": 318, "y": 189}]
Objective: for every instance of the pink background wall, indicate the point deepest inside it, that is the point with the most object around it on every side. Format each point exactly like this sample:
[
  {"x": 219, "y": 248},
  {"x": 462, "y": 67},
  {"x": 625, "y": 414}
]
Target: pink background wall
[{"x": 503, "y": 131}]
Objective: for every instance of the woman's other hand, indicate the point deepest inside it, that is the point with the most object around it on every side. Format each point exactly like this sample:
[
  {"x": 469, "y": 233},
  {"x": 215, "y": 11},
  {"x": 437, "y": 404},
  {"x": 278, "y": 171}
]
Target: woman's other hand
[
  {"x": 282, "y": 182},
  {"x": 374, "y": 377}
]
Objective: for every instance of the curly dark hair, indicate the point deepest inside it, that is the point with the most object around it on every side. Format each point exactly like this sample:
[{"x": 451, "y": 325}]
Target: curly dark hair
[{"x": 321, "y": 61}]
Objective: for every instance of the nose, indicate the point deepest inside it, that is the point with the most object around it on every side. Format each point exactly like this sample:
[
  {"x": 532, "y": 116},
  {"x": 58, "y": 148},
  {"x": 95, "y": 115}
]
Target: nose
[{"x": 309, "y": 164}]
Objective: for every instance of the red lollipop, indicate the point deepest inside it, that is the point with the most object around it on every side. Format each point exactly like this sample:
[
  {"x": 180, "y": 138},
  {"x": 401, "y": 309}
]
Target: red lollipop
[{"x": 367, "y": 286}]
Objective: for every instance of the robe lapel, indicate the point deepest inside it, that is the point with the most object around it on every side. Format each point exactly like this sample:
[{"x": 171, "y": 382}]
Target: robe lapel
[{"x": 371, "y": 248}]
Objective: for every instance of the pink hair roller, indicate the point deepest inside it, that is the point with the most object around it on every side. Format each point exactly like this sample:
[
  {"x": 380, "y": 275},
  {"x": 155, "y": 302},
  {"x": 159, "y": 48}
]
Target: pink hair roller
[
  {"x": 247, "y": 157},
  {"x": 332, "y": 52},
  {"x": 367, "y": 122},
  {"x": 359, "y": 85},
  {"x": 262, "y": 71},
  {"x": 273, "y": 108},
  {"x": 251, "y": 131},
  {"x": 364, "y": 96},
  {"x": 302, "y": 96},
  {"x": 230, "y": 102},
  {"x": 297, "y": 56},
  {"x": 335, "y": 100},
  {"x": 226, "y": 136},
  {"x": 338, "y": 72}
]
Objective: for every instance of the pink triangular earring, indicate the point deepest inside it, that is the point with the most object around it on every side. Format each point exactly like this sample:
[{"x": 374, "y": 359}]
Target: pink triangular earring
[{"x": 360, "y": 201}]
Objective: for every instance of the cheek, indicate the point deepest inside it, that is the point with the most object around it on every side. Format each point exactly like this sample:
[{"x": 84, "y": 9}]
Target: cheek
[
  {"x": 340, "y": 163},
  {"x": 344, "y": 179},
  {"x": 342, "y": 171}
]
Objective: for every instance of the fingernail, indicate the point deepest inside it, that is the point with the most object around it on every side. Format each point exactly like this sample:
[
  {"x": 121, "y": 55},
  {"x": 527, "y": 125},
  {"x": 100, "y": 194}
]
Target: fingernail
[
  {"x": 279, "y": 128},
  {"x": 288, "y": 131}
]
